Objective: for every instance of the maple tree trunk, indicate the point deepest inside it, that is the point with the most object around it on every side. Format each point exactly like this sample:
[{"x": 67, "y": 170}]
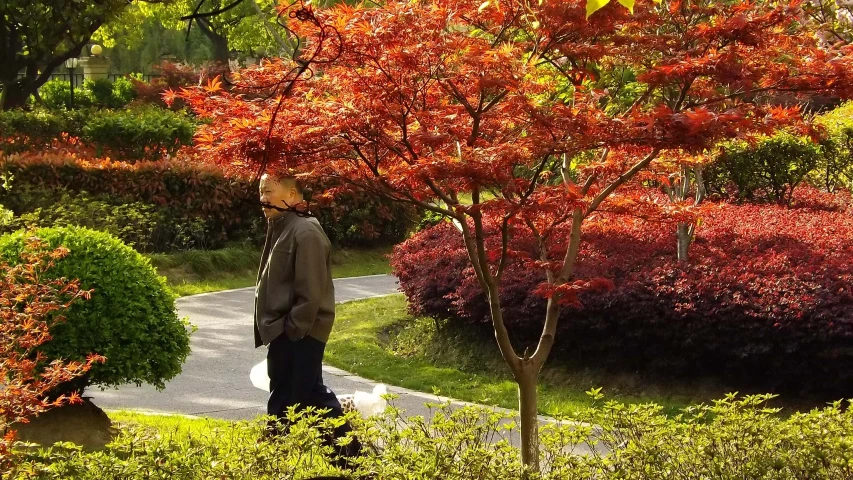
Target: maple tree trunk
[
  {"x": 683, "y": 235},
  {"x": 527, "y": 380},
  {"x": 525, "y": 371}
]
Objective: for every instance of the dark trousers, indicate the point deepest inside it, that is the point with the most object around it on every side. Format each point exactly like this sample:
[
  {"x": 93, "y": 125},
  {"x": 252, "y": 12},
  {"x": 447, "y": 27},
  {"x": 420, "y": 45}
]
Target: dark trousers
[{"x": 296, "y": 378}]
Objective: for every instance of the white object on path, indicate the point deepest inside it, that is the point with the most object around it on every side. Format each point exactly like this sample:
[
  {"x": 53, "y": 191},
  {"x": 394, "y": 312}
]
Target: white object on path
[
  {"x": 367, "y": 404},
  {"x": 259, "y": 377}
]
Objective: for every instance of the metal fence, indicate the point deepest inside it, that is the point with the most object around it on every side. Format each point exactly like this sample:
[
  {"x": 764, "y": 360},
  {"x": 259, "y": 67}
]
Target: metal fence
[{"x": 78, "y": 77}]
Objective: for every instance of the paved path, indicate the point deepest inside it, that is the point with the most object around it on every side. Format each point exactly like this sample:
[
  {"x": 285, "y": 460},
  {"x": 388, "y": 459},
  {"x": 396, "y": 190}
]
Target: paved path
[{"x": 215, "y": 378}]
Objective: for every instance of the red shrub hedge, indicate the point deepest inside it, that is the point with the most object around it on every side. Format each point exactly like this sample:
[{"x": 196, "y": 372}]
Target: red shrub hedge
[
  {"x": 187, "y": 190},
  {"x": 767, "y": 298}
]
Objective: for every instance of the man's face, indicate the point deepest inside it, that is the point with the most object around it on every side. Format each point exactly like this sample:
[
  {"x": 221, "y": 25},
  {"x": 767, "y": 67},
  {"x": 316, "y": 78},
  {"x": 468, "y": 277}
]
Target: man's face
[{"x": 275, "y": 192}]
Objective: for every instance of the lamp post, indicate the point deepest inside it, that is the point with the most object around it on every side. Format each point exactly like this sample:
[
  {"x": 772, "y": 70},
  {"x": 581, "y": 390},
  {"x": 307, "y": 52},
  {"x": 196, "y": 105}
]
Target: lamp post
[{"x": 71, "y": 64}]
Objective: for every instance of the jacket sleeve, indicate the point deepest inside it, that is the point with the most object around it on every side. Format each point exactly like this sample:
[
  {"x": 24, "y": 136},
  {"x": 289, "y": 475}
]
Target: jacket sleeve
[{"x": 310, "y": 274}]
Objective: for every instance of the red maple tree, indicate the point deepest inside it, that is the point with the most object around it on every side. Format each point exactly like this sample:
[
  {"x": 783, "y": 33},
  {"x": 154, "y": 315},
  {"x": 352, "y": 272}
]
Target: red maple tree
[
  {"x": 29, "y": 306},
  {"x": 526, "y": 114}
]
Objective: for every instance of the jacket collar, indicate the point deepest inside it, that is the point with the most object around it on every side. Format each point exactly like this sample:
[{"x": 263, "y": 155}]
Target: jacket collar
[{"x": 281, "y": 220}]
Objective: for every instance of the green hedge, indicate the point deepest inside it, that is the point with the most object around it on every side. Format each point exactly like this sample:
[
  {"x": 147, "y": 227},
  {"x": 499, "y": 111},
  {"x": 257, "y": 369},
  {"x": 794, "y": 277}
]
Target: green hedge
[
  {"x": 769, "y": 169},
  {"x": 143, "y": 226},
  {"x": 168, "y": 205},
  {"x": 21, "y": 130},
  {"x": 138, "y": 133},
  {"x": 189, "y": 206},
  {"x": 101, "y": 93},
  {"x": 130, "y": 319},
  {"x": 731, "y": 439}
]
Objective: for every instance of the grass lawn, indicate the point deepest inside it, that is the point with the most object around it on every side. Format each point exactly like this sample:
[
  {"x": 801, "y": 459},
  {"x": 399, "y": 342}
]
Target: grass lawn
[
  {"x": 377, "y": 339},
  {"x": 181, "y": 427},
  {"x": 201, "y": 271}
]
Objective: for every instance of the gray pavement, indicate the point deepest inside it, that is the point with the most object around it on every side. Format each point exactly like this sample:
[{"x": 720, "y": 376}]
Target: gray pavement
[{"x": 215, "y": 378}]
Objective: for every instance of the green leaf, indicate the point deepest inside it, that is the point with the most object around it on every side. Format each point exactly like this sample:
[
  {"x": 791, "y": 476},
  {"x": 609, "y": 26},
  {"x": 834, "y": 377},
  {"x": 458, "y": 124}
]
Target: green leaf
[
  {"x": 629, "y": 4},
  {"x": 593, "y": 6}
]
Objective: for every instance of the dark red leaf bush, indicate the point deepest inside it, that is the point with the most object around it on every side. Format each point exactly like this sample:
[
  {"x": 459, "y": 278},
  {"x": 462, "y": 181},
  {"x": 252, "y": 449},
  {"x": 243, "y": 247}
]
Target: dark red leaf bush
[{"x": 767, "y": 299}]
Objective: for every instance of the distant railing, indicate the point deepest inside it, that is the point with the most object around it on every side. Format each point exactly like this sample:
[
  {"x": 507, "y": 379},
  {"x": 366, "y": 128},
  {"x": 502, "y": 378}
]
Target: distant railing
[
  {"x": 78, "y": 77},
  {"x": 145, "y": 77}
]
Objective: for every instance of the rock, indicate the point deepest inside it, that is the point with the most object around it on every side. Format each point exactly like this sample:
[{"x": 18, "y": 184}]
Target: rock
[{"x": 84, "y": 424}]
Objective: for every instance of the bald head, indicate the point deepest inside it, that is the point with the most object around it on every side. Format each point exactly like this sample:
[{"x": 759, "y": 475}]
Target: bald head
[{"x": 279, "y": 191}]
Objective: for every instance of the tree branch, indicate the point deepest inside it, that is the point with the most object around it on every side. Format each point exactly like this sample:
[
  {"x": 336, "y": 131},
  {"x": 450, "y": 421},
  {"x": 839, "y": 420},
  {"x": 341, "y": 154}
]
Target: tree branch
[{"x": 619, "y": 181}]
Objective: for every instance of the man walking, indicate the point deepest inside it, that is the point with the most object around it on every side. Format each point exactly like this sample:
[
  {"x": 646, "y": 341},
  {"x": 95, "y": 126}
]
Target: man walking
[{"x": 295, "y": 304}]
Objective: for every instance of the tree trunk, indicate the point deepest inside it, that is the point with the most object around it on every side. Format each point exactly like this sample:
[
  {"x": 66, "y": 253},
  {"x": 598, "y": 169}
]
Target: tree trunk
[
  {"x": 221, "y": 52},
  {"x": 16, "y": 90},
  {"x": 684, "y": 240},
  {"x": 527, "y": 380},
  {"x": 3, "y": 93},
  {"x": 13, "y": 96}
]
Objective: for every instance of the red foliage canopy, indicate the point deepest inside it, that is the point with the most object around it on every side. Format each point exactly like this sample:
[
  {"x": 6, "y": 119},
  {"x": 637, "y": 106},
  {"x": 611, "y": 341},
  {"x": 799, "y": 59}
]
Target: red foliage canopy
[
  {"x": 537, "y": 112},
  {"x": 431, "y": 101}
]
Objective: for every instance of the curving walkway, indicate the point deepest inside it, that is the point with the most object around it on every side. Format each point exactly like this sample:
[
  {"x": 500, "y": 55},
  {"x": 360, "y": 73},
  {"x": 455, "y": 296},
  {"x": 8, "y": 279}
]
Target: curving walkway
[{"x": 215, "y": 378}]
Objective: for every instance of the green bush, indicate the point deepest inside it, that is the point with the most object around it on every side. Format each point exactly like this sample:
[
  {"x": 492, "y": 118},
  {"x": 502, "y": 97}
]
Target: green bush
[
  {"x": 56, "y": 94},
  {"x": 101, "y": 93},
  {"x": 144, "y": 226},
  {"x": 835, "y": 169},
  {"x": 20, "y": 130},
  {"x": 735, "y": 438},
  {"x": 130, "y": 319},
  {"x": 223, "y": 452},
  {"x": 138, "y": 133},
  {"x": 123, "y": 92},
  {"x": 358, "y": 219},
  {"x": 6, "y": 215},
  {"x": 768, "y": 171},
  {"x": 106, "y": 93}
]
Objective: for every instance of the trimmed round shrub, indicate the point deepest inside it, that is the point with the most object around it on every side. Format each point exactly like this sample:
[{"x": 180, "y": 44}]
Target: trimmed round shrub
[{"x": 130, "y": 319}]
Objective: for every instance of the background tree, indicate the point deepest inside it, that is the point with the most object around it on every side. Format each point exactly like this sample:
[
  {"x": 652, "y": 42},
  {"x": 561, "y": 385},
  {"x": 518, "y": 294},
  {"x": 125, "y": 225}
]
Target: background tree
[
  {"x": 137, "y": 41},
  {"x": 832, "y": 20},
  {"x": 37, "y": 37},
  {"x": 248, "y": 26},
  {"x": 478, "y": 110},
  {"x": 682, "y": 180}
]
